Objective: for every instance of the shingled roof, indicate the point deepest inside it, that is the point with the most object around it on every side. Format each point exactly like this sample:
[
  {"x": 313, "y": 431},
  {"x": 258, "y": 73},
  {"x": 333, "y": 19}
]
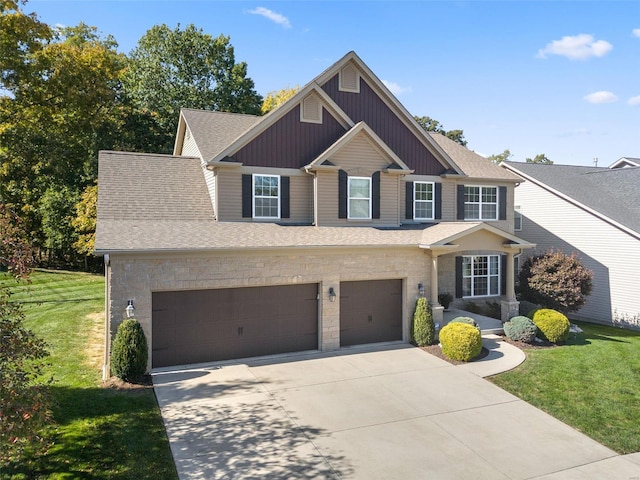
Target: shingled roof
[{"x": 613, "y": 193}]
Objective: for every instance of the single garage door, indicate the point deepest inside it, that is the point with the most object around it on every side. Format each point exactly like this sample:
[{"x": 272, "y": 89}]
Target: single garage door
[
  {"x": 208, "y": 325},
  {"x": 370, "y": 311}
]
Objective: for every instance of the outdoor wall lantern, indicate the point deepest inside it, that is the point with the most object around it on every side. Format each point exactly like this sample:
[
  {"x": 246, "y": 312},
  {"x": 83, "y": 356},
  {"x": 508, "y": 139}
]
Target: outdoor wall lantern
[
  {"x": 332, "y": 294},
  {"x": 421, "y": 289},
  {"x": 130, "y": 308}
]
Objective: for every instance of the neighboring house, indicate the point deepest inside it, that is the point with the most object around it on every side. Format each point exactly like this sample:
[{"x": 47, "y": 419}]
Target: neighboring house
[
  {"x": 626, "y": 162},
  {"x": 592, "y": 211},
  {"x": 314, "y": 227}
]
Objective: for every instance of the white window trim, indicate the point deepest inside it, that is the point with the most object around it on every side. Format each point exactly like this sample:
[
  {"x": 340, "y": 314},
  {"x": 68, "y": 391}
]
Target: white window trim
[
  {"x": 517, "y": 215},
  {"x": 349, "y": 198},
  {"x": 488, "y": 276},
  {"x": 432, "y": 201},
  {"x": 254, "y": 196},
  {"x": 480, "y": 203}
]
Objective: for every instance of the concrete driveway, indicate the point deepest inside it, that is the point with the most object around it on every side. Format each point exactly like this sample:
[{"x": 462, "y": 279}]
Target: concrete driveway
[{"x": 385, "y": 412}]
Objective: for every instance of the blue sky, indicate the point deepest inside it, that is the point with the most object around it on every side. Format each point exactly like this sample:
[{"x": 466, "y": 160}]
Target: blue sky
[{"x": 560, "y": 78}]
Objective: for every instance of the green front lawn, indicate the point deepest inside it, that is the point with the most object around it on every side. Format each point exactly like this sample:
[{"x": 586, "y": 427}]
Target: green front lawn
[
  {"x": 592, "y": 383},
  {"x": 100, "y": 432}
]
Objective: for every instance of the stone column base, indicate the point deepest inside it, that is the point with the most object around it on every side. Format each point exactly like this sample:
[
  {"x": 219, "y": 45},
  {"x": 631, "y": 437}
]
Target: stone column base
[
  {"x": 437, "y": 313},
  {"x": 509, "y": 308}
]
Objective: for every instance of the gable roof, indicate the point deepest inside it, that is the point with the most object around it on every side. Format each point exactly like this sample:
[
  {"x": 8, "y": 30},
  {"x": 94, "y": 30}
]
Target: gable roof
[
  {"x": 472, "y": 164},
  {"x": 626, "y": 162},
  {"x": 612, "y": 194}
]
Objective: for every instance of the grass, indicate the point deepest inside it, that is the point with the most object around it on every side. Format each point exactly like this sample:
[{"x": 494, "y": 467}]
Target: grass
[
  {"x": 99, "y": 432},
  {"x": 591, "y": 383}
]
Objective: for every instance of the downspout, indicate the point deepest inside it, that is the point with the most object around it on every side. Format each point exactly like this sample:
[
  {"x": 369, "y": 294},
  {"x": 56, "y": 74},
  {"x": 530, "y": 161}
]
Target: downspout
[{"x": 106, "y": 367}]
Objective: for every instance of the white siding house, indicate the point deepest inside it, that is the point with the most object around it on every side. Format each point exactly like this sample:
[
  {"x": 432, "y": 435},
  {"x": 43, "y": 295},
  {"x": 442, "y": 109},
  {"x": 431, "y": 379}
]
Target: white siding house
[{"x": 589, "y": 211}]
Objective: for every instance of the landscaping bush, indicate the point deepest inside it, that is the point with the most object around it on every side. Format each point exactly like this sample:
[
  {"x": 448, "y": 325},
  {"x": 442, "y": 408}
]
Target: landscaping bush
[
  {"x": 423, "y": 330},
  {"x": 129, "y": 351},
  {"x": 553, "y": 325},
  {"x": 467, "y": 320},
  {"x": 521, "y": 329},
  {"x": 460, "y": 341}
]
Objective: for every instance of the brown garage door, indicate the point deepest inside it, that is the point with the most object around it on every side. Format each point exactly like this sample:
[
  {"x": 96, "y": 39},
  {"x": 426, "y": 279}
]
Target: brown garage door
[
  {"x": 208, "y": 325},
  {"x": 370, "y": 311}
]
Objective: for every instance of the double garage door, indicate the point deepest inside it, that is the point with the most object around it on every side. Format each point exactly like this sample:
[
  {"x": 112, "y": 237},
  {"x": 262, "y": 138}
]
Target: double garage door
[{"x": 197, "y": 326}]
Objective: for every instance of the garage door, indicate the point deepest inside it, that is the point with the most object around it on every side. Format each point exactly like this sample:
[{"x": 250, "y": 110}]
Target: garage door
[
  {"x": 370, "y": 311},
  {"x": 208, "y": 325}
]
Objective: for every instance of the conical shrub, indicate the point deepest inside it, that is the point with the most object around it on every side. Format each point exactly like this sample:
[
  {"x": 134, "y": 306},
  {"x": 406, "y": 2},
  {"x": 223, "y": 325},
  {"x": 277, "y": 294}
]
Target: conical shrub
[
  {"x": 423, "y": 331},
  {"x": 129, "y": 352}
]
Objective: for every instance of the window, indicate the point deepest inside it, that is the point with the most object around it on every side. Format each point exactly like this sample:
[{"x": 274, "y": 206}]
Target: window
[
  {"x": 480, "y": 203},
  {"x": 423, "y": 200},
  {"x": 517, "y": 218},
  {"x": 480, "y": 275},
  {"x": 266, "y": 196},
  {"x": 359, "y": 198}
]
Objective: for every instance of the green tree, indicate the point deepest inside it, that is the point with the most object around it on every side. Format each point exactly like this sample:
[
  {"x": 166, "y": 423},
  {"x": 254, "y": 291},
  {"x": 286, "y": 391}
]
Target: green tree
[
  {"x": 57, "y": 210},
  {"x": 423, "y": 330},
  {"x": 186, "y": 68},
  {"x": 24, "y": 399},
  {"x": 540, "y": 158},
  {"x": 277, "y": 98},
  {"x": 556, "y": 281},
  {"x": 432, "y": 125},
  {"x": 501, "y": 157},
  {"x": 84, "y": 222}
]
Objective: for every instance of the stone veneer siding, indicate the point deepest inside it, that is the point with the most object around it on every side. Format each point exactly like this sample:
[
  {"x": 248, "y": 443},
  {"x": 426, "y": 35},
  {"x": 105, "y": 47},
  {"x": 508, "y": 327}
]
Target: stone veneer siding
[{"x": 136, "y": 276}]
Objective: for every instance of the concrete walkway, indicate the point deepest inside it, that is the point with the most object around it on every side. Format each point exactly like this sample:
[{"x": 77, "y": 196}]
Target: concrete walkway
[{"x": 375, "y": 412}]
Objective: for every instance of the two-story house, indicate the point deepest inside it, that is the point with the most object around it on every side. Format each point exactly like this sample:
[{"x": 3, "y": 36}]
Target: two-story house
[{"x": 313, "y": 227}]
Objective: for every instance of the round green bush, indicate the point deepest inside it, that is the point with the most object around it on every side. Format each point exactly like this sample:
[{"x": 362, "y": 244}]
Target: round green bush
[
  {"x": 460, "y": 341},
  {"x": 423, "y": 330},
  {"x": 466, "y": 320},
  {"x": 521, "y": 329},
  {"x": 553, "y": 325},
  {"x": 129, "y": 352}
]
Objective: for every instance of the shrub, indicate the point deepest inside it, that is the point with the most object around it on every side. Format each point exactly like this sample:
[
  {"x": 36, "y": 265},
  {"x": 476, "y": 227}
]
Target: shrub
[
  {"x": 129, "y": 351},
  {"x": 445, "y": 300},
  {"x": 521, "y": 329},
  {"x": 556, "y": 281},
  {"x": 423, "y": 330},
  {"x": 553, "y": 325},
  {"x": 460, "y": 341},
  {"x": 467, "y": 320}
]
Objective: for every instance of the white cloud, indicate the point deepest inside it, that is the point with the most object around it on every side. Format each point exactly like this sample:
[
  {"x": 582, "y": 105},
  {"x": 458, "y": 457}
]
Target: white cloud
[
  {"x": 634, "y": 101},
  {"x": 636, "y": 32},
  {"x": 602, "y": 96},
  {"x": 395, "y": 88},
  {"x": 578, "y": 47},
  {"x": 271, "y": 15}
]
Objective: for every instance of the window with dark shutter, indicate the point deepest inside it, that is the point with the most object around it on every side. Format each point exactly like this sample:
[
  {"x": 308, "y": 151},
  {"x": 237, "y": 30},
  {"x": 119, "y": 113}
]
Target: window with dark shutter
[
  {"x": 342, "y": 193},
  {"x": 285, "y": 197},
  {"x": 458, "y": 277},
  {"x": 409, "y": 200},
  {"x": 460, "y": 203},
  {"x": 375, "y": 195},
  {"x": 247, "y": 196},
  {"x": 502, "y": 202},
  {"x": 438, "y": 200}
]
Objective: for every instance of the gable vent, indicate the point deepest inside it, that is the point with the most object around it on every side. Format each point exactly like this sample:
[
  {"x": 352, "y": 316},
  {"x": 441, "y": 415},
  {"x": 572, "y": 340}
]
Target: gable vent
[
  {"x": 311, "y": 110},
  {"x": 349, "y": 79}
]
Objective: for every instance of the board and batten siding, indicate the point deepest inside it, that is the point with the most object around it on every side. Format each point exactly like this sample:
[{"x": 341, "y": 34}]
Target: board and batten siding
[
  {"x": 360, "y": 158},
  {"x": 611, "y": 253},
  {"x": 229, "y": 190}
]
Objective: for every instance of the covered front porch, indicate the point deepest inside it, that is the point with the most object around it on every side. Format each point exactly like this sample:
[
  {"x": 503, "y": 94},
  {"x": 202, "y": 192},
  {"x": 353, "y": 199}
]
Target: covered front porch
[
  {"x": 449, "y": 243},
  {"x": 487, "y": 325}
]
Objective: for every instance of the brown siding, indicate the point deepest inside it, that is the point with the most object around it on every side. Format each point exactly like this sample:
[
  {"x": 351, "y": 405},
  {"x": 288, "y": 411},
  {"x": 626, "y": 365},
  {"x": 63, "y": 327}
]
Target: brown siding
[
  {"x": 290, "y": 143},
  {"x": 229, "y": 195},
  {"x": 367, "y": 106}
]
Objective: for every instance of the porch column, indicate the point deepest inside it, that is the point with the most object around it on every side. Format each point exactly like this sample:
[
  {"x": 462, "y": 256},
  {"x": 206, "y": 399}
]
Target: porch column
[
  {"x": 510, "y": 306},
  {"x": 511, "y": 291},
  {"x": 437, "y": 310}
]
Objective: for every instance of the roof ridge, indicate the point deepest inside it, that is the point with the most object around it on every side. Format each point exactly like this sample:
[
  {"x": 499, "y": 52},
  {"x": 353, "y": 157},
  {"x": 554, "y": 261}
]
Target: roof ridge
[{"x": 146, "y": 154}]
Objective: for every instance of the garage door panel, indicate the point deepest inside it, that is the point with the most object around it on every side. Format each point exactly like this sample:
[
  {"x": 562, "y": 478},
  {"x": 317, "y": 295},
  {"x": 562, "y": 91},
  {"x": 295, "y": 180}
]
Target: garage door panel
[
  {"x": 209, "y": 325},
  {"x": 370, "y": 311}
]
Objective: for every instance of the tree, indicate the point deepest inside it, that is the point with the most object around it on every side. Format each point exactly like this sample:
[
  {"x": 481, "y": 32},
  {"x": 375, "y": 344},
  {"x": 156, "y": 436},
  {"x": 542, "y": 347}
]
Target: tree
[
  {"x": 432, "y": 125},
  {"x": 84, "y": 222},
  {"x": 58, "y": 209},
  {"x": 277, "y": 98},
  {"x": 500, "y": 157},
  {"x": 24, "y": 399},
  {"x": 186, "y": 68},
  {"x": 556, "y": 281},
  {"x": 540, "y": 158},
  {"x": 423, "y": 330},
  {"x": 63, "y": 108}
]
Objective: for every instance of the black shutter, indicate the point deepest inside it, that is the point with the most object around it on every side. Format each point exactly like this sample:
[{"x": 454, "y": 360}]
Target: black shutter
[
  {"x": 503, "y": 274},
  {"x": 285, "y": 197},
  {"x": 460, "y": 213},
  {"x": 458, "y": 277},
  {"x": 342, "y": 194},
  {"x": 247, "y": 196},
  {"x": 409, "y": 200},
  {"x": 502, "y": 202},
  {"x": 438, "y": 201},
  {"x": 375, "y": 195}
]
